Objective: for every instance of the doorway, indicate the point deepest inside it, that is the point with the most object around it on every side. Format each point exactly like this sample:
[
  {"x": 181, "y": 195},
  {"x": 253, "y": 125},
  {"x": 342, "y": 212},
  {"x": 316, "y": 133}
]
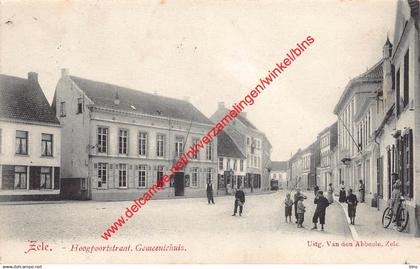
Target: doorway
[{"x": 179, "y": 184}]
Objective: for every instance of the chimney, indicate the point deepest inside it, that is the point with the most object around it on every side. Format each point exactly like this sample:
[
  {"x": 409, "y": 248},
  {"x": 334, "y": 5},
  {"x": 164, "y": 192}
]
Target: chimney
[
  {"x": 117, "y": 99},
  {"x": 221, "y": 105},
  {"x": 243, "y": 114},
  {"x": 33, "y": 77},
  {"x": 387, "y": 49},
  {"x": 186, "y": 98},
  {"x": 64, "y": 72}
]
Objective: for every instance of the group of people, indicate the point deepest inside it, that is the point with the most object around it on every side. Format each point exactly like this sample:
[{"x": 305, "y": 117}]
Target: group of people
[
  {"x": 321, "y": 203},
  {"x": 239, "y": 198},
  {"x": 299, "y": 207},
  {"x": 351, "y": 199}
]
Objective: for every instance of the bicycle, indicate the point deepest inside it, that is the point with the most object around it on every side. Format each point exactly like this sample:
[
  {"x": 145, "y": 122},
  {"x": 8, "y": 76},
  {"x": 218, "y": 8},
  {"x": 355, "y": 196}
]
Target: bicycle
[{"x": 400, "y": 218}]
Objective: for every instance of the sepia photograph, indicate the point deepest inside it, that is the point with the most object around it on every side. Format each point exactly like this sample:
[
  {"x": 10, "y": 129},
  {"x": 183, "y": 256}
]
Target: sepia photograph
[{"x": 209, "y": 132}]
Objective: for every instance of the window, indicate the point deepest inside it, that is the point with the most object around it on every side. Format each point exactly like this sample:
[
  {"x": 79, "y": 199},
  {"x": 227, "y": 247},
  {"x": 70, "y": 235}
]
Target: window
[
  {"x": 122, "y": 142},
  {"x": 235, "y": 166},
  {"x": 20, "y": 177},
  {"x": 241, "y": 165},
  {"x": 46, "y": 178},
  {"x": 194, "y": 179},
  {"x": 142, "y": 176},
  {"x": 220, "y": 163},
  {"x": 196, "y": 141},
  {"x": 209, "y": 175},
  {"x": 160, "y": 148},
  {"x": 159, "y": 175},
  {"x": 21, "y": 142},
  {"x": 179, "y": 146},
  {"x": 47, "y": 145},
  {"x": 102, "y": 140},
  {"x": 247, "y": 141},
  {"x": 227, "y": 164},
  {"x": 209, "y": 151},
  {"x": 406, "y": 79},
  {"x": 0, "y": 141},
  {"x": 63, "y": 109},
  {"x": 122, "y": 175},
  {"x": 79, "y": 105},
  {"x": 102, "y": 174},
  {"x": 142, "y": 144},
  {"x": 407, "y": 163},
  {"x": 248, "y": 159}
]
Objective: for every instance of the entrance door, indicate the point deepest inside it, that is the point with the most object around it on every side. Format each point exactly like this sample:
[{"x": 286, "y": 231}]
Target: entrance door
[{"x": 179, "y": 183}]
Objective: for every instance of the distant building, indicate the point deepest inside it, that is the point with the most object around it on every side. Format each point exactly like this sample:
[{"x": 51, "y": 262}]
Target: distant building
[
  {"x": 310, "y": 160},
  {"x": 231, "y": 164},
  {"x": 279, "y": 172},
  {"x": 355, "y": 114},
  {"x": 117, "y": 142},
  {"x": 327, "y": 140},
  {"x": 253, "y": 144},
  {"x": 30, "y": 142},
  {"x": 295, "y": 171}
]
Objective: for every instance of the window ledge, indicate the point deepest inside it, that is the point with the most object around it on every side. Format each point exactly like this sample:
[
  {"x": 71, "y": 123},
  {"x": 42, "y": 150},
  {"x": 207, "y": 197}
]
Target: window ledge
[{"x": 22, "y": 155}]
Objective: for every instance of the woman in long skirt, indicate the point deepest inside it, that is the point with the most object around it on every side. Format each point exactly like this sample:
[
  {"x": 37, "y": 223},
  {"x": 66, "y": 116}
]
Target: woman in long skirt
[
  {"x": 330, "y": 193},
  {"x": 342, "y": 197}
]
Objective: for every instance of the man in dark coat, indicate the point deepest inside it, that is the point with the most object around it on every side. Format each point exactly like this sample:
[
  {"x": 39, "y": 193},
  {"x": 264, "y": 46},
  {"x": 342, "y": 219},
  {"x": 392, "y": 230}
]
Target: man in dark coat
[
  {"x": 296, "y": 199},
  {"x": 351, "y": 201},
  {"x": 321, "y": 205},
  {"x": 239, "y": 201},
  {"x": 210, "y": 192}
]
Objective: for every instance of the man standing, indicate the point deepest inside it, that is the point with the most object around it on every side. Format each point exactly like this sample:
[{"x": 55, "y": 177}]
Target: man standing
[
  {"x": 351, "y": 200},
  {"x": 321, "y": 205},
  {"x": 239, "y": 201},
  {"x": 210, "y": 192}
]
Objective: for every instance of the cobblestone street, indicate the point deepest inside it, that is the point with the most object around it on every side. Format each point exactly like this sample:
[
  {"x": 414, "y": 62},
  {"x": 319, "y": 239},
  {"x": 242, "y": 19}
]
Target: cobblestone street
[{"x": 208, "y": 232}]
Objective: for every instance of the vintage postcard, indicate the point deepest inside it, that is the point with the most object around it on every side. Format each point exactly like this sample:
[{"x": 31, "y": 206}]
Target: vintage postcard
[{"x": 208, "y": 132}]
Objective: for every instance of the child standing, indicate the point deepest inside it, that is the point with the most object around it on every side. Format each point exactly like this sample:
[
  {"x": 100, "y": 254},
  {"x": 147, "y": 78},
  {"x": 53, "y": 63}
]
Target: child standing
[
  {"x": 288, "y": 204},
  {"x": 300, "y": 212}
]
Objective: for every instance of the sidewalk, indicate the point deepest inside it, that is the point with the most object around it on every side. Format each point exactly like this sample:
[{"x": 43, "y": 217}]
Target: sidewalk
[{"x": 369, "y": 224}]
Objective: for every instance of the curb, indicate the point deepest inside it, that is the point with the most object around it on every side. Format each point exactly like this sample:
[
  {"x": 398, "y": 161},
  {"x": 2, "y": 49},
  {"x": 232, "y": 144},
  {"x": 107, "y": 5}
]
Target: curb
[{"x": 351, "y": 227}]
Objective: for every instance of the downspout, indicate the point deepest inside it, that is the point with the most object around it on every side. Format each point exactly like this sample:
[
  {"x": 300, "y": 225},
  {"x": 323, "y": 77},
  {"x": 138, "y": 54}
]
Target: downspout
[{"x": 379, "y": 153}]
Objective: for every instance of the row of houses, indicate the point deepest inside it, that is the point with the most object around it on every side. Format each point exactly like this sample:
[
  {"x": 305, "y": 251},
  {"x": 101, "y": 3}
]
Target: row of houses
[
  {"x": 105, "y": 142},
  {"x": 377, "y": 132}
]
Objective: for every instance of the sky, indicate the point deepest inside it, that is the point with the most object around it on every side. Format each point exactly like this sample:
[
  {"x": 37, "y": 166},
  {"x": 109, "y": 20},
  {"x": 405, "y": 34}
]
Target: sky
[{"x": 208, "y": 51}]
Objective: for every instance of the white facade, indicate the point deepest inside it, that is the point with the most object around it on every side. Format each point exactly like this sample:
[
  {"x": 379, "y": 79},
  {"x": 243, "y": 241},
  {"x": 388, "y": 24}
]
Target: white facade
[{"x": 27, "y": 155}]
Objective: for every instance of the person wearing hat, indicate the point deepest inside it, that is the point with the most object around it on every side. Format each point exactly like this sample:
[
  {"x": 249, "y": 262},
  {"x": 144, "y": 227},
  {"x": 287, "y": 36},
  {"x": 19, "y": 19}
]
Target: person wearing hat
[
  {"x": 351, "y": 201},
  {"x": 321, "y": 205},
  {"x": 239, "y": 201}
]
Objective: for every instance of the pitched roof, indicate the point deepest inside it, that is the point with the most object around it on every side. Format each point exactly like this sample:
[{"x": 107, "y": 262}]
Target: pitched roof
[
  {"x": 104, "y": 94},
  {"x": 23, "y": 99},
  {"x": 226, "y": 147},
  {"x": 278, "y": 165},
  {"x": 372, "y": 75},
  {"x": 246, "y": 122}
]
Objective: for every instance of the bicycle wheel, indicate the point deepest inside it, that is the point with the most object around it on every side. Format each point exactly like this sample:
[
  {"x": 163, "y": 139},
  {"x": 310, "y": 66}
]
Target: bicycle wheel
[
  {"x": 387, "y": 217},
  {"x": 403, "y": 220}
]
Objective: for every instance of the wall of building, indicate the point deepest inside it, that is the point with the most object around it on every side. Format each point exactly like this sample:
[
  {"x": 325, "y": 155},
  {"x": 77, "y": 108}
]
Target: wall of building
[{"x": 33, "y": 160}]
